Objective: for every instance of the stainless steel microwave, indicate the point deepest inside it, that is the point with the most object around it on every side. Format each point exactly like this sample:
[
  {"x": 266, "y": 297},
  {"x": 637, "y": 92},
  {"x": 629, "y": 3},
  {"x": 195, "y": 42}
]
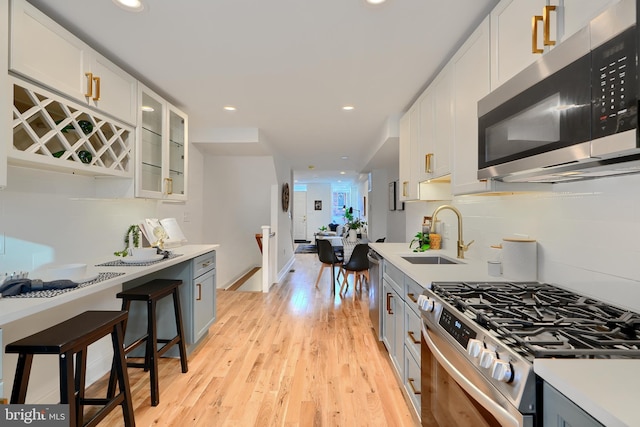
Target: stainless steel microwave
[{"x": 573, "y": 114}]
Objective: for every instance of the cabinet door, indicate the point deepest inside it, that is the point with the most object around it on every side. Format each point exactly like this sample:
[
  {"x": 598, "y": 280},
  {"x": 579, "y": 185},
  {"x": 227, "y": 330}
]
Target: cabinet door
[
  {"x": 42, "y": 50},
  {"x": 398, "y": 332},
  {"x": 407, "y": 153},
  {"x": 149, "y": 150},
  {"x": 412, "y": 331},
  {"x": 577, "y": 13},
  {"x": 204, "y": 288},
  {"x": 471, "y": 83},
  {"x": 443, "y": 87},
  {"x": 426, "y": 135},
  {"x": 177, "y": 154},
  {"x": 511, "y": 38},
  {"x": 388, "y": 327},
  {"x": 116, "y": 90}
]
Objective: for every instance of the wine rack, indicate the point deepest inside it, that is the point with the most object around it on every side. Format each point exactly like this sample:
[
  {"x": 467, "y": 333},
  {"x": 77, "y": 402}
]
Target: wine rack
[{"x": 55, "y": 133}]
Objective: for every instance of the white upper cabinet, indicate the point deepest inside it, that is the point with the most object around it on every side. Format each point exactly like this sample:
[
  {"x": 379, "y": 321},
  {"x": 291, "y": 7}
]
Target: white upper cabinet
[
  {"x": 511, "y": 38},
  {"x": 161, "y": 151},
  {"x": 472, "y": 82},
  {"x": 408, "y": 143},
  {"x": 45, "y": 52},
  {"x": 522, "y": 30},
  {"x": 435, "y": 135}
]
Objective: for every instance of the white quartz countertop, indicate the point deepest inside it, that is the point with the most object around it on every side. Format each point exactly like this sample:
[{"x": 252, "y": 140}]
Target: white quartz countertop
[
  {"x": 12, "y": 309},
  {"x": 469, "y": 269},
  {"x": 607, "y": 389}
]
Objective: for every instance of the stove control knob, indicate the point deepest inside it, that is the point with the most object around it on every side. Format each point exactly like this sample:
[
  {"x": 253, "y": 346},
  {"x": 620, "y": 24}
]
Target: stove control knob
[
  {"x": 502, "y": 371},
  {"x": 487, "y": 357},
  {"x": 426, "y": 303},
  {"x": 474, "y": 347}
]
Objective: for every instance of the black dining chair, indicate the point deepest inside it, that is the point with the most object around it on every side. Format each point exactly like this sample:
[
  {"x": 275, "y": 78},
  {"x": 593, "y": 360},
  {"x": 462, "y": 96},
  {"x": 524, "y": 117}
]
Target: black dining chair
[
  {"x": 381, "y": 240},
  {"x": 329, "y": 258},
  {"x": 358, "y": 265}
]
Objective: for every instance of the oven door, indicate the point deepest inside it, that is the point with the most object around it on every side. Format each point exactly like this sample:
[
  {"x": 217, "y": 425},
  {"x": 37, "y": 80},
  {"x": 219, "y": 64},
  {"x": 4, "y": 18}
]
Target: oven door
[{"x": 455, "y": 393}]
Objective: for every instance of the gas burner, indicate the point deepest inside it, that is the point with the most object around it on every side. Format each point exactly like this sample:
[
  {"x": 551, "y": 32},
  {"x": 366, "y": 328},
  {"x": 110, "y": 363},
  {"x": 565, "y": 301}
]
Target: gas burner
[{"x": 542, "y": 320}]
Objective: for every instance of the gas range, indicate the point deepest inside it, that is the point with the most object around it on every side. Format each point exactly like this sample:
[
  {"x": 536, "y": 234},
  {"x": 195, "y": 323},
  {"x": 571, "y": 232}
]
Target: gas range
[{"x": 499, "y": 328}]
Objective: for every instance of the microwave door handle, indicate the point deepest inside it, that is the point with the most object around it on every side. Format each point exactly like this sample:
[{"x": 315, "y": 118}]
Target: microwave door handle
[{"x": 503, "y": 417}]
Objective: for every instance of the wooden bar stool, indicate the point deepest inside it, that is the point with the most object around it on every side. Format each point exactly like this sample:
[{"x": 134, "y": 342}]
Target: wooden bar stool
[
  {"x": 69, "y": 338},
  {"x": 151, "y": 292}
]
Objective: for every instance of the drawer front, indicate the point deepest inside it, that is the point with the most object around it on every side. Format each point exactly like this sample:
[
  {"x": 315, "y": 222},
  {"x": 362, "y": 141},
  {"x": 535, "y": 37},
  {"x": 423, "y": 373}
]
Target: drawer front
[
  {"x": 412, "y": 380},
  {"x": 204, "y": 263},
  {"x": 394, "y": 276},
  {"x": 412, "y": 290},
  {"x": 412, "y": 331}
]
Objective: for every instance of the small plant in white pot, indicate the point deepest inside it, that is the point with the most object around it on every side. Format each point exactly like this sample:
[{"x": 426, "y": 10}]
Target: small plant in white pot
[{"x": 353, "y": 224}]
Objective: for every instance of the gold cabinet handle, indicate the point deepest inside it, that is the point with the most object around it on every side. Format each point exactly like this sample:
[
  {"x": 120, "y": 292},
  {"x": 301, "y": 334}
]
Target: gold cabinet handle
[
  {"x": 412, "y": 297},
  {"x": 427, "y": 163},
  {"x": 404, "y": 188},
  {"x": 89, "y": 93},
  {"x": 413, "y": 388},
  {"x": 413, "y": 337},
  {"x": 545, "y": 18},
  {"x": 169, "y": 185},
  {"x": 199, "y": 286},
  {"x": 534, "y": 34},
  {"x": 97, "y": 81}
]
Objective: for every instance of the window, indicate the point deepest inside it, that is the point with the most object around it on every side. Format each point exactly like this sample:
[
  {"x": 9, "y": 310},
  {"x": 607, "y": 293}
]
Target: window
[{"x": 340, "y": 197}]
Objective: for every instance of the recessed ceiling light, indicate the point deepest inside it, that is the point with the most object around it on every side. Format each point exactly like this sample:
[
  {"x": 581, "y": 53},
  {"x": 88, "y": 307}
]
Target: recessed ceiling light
[
  {"x": 147, "y": 108},
  {"x": 344, "y": 157},
  {"x": 348, "y": 107},
  {"x": 230, "y": 108},
  {"x": 130, "y": 5},
  {"x": 342, "y": 172},
  {"x": 375, "y": 1}
]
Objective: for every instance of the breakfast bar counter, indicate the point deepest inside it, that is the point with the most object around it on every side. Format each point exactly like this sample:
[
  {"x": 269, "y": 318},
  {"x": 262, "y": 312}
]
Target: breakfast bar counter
[{"x": 12, "y": 309}]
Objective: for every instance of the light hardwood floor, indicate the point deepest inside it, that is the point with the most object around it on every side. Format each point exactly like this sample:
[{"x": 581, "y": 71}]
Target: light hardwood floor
[{"x": 292, "y": 357}]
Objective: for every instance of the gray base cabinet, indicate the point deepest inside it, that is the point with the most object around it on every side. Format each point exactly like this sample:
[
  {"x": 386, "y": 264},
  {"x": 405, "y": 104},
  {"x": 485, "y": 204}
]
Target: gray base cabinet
[
  {"x": 559, "y": 411},
  {"x": 402, "y": 329},
  {"x": 197, "y": 301}
]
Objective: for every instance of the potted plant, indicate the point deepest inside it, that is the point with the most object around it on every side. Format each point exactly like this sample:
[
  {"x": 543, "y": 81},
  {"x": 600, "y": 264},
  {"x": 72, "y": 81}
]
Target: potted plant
[
  {"x": 423, "y": 242},
  {"x": 353, "y": 224}
]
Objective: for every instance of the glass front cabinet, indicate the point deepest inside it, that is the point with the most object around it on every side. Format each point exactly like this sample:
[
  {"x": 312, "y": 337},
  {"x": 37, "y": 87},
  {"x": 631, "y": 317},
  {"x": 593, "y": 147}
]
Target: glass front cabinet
[{"x": 161, "y": 153}]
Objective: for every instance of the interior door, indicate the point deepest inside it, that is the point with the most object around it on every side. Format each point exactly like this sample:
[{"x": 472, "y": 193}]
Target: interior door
[{"x": 300, "y": 215}]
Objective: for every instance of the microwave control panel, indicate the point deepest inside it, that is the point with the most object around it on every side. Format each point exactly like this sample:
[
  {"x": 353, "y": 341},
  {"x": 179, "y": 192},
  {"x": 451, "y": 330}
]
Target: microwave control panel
[{"x": 614, "y": 85}]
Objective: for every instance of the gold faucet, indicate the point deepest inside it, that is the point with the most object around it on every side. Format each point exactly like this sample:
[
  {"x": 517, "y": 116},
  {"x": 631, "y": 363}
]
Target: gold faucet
[{"x": 462, "y": 248}]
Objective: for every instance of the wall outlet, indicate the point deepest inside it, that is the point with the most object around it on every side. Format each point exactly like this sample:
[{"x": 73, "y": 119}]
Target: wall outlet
[{"x": 186, "y": 217}]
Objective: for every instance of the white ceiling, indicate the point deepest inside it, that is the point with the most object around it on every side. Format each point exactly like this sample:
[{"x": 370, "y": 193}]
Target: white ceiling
[{"x": 287, "y": 65}]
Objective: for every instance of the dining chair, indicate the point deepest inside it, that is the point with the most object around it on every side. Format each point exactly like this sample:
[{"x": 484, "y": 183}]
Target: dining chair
[
  {"x": 329, "y": 258},
  {"x": 358, "y": 265}
]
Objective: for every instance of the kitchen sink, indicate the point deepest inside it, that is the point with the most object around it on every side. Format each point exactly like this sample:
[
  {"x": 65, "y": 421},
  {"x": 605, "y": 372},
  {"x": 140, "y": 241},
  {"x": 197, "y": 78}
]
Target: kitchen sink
[{"x": 430, "y": 260}]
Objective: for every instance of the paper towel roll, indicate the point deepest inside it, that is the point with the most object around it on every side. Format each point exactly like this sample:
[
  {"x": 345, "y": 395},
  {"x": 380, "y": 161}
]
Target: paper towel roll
[{"x": 520, "y": 259}]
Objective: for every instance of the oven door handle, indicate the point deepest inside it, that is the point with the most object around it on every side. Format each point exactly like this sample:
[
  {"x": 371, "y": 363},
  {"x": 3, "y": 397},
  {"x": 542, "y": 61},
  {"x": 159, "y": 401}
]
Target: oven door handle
[{"x": 501, "y": 415}]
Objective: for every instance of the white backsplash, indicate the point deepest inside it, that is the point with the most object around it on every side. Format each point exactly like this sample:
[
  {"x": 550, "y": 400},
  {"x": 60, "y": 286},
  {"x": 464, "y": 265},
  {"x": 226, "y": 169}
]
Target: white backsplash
[
  {"x": 587, "y": 233},
  {"x": 49, "y": 217}
]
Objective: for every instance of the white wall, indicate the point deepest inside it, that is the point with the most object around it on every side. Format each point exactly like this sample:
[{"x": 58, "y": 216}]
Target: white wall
[
  {"x": 587, "y": 233},
  {"x": 237, "y": 199}
]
